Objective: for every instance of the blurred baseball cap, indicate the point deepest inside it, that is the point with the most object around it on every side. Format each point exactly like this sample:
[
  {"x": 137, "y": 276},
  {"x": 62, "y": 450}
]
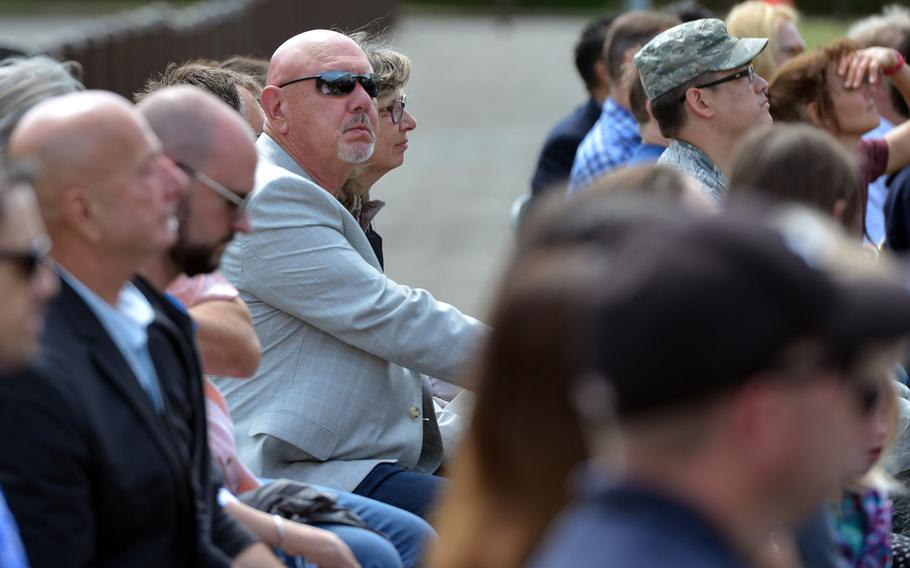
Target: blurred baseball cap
[{"x": 699, "y": 307}]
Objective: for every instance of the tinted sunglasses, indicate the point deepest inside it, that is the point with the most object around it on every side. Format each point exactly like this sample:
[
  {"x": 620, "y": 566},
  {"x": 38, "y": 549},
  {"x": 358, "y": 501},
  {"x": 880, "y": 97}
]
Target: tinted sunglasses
[
  {"x": 27, "y": 261},
  {"x": 339, "y": 83},
  {"x": 236, "y": 203},
  {"x": 395, "y": 110}
]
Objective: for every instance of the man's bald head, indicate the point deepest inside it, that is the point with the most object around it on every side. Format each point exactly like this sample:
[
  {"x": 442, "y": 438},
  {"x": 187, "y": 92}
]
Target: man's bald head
[
  {"x": 215, "y": 146},
  {"x": 79, "y": 139},
  {"x": 107, "y": 193},
  {"x": 190, "y": 124},
  {"x": 326, "y": 129},
  {"x": 304, "y": 52}
]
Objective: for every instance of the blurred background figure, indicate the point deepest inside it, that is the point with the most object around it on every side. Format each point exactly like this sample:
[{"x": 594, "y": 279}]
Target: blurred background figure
[
  {"x": 558, "y": 153},
  {"x": 614, "y": 137},
  {"x": 504, "y": 495},
  {"x": 785, "y": 162},
  {"x": 888, "y": 29},
  {"x": 26, "y": 81},
  {"x": 777, "y": 22},
  {"x": 704, "y": 456},
  {"x": 832, "y": 88},
  {"x": 26, "y": 279},
  {"x": 26, "y": 284}
]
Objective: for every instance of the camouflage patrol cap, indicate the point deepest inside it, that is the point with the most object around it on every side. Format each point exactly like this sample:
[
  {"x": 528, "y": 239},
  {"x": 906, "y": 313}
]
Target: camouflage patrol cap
[{"x": 688, "y": 50}]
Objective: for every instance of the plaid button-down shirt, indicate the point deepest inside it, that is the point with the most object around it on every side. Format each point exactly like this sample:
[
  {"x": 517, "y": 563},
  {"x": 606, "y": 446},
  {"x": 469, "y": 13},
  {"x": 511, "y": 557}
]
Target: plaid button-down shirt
[{"x": 608, "y": 145}]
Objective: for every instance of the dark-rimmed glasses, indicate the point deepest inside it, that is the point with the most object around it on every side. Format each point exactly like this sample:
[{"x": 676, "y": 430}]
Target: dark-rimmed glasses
[
  {"x": 747, "y": 72},
  {"x": 395, "y": 110},
  {"x": 27, "y": 261},
  {"x": 236, "y": 203},
  {"x": 339, "y": 83}
]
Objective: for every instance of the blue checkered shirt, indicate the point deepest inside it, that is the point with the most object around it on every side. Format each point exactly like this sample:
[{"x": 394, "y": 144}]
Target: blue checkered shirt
[{"x": 608, "y": 145}]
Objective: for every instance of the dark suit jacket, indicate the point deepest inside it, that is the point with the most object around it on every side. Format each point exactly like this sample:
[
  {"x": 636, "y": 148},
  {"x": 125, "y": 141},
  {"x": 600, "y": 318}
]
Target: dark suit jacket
[
  {"x": 555, "y": 162},
  {"x": 93, "y": 475}
]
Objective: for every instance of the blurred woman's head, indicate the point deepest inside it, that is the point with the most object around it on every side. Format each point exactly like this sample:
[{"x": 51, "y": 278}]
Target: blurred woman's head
[
  {"x": 793, "y": 162},
  {"x": 777, "y": 22}
]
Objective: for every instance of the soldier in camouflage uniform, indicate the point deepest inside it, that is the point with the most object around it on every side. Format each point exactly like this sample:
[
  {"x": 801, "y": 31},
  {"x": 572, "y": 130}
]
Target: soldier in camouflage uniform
[{"x": 704, "y": 95}]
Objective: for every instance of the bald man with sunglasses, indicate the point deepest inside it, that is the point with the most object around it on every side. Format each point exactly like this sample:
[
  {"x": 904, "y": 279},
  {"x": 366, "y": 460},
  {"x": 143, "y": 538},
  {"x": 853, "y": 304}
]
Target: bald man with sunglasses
[{"x": 341, "y": 397}]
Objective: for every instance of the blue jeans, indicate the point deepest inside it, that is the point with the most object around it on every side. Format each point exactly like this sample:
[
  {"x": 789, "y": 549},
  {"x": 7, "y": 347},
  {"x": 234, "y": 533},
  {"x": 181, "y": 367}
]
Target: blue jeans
[
  {"x": 392, "y": 484},
  {"x": 405, "y": 534},
  {"x": 370, "y": 549},
  {"x": 406, "y": 531}
]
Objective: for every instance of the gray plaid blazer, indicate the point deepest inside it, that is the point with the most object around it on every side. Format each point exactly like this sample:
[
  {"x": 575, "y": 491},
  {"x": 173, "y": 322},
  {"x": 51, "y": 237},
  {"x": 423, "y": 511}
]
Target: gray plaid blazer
[{"x": 342, "y": 385}]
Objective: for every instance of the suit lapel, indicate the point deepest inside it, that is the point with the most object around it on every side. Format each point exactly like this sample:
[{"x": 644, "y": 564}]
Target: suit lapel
[{"x": 113, "y": 368}]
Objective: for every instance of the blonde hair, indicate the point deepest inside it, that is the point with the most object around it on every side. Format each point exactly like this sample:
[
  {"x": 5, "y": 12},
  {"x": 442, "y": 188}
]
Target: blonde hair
[
  {"x": 758, "y": 19},
  {"x": 391, "y": 68}
]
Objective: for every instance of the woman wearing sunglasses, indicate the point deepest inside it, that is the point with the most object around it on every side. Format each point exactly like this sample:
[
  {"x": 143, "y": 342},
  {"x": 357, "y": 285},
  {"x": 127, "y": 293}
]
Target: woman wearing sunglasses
[{"x": 391, "y": 70}]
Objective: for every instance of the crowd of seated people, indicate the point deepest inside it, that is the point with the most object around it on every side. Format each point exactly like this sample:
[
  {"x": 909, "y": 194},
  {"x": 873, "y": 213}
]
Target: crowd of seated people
[{"x": 696, "y": 354}]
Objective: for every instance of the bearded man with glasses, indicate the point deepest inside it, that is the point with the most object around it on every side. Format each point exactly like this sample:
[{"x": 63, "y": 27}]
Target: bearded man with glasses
[
  {"x": 341, "y": 397},
  {"x": 705, "y": 96}
]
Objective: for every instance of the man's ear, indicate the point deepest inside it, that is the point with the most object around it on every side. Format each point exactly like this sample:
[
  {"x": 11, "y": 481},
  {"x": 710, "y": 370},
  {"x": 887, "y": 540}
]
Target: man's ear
[
  {"x": 80, "y": 214},
  {"x": 699, "y": 104},
  {"x": 274, "y": 110},
  {"x": 813, "y": 115},
  {"x": 602, "y": 74}
]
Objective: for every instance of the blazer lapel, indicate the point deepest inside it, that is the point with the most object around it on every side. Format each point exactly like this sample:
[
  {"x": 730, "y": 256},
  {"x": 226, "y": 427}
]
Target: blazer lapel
[{"x": 114, "y": 369}]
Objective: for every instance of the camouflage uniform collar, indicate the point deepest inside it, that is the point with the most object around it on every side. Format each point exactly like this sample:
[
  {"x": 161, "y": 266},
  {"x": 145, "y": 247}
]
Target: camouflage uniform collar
[{"x": 692, "y": 160}]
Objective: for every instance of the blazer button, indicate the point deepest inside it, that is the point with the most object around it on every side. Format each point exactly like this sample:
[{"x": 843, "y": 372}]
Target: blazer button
[{"x": 414, "y": 412}]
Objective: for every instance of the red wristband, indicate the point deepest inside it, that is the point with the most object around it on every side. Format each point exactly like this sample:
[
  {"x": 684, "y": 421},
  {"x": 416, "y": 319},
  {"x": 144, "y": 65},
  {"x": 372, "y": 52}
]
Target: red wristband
[{"x": 896, "y": 67}]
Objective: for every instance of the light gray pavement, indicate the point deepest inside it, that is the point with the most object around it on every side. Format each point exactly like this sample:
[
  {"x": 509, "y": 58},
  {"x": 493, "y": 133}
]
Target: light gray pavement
[{"x": 485, "y": 94}]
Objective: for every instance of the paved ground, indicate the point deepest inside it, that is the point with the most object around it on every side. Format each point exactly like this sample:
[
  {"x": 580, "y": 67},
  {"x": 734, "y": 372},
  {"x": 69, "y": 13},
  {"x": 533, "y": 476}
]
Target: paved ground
[{"x": 485, "y": 95}]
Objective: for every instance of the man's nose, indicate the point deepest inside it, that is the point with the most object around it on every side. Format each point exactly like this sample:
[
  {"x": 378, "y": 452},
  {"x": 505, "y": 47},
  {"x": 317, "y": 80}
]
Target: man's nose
[
  {"x": 408, "y": 122},
  {"x": 242, "y": 223}
]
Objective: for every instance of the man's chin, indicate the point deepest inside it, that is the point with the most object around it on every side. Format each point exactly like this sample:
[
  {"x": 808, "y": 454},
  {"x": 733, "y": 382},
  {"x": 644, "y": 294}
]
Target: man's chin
[{"x": 355, "y": 152}]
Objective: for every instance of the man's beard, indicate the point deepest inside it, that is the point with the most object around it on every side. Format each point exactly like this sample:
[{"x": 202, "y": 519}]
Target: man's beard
[
  {"x": 357, "y": 152},
  {"x": 193, "y": 259}
]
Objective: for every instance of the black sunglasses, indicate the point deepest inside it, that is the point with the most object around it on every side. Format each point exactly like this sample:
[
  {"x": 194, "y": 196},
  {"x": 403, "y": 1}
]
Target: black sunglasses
[
  {"x": 747, "y": 72},
  {"x": 28, "y": 261},
  {"x": 339, "y": 83},
  {"x": 396, "y": 110},
  {"x": 236, "y": 203}
]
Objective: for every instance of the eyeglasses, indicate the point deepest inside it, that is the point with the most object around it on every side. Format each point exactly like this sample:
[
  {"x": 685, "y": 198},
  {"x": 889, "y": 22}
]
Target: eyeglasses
[
  {"x": 339, "y": 83},
  {"x": 395, "y": 110},
  {"x": 747, "y": 72},
  {"x": 27, "y": 261},
  {"x": 235, "y": 202}
]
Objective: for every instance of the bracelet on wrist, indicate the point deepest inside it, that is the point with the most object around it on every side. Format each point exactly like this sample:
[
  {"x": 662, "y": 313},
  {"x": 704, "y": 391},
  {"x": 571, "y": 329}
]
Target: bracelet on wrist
[
  {"x": 279, "y": 531},
  {"x": 896, "y": 67}
]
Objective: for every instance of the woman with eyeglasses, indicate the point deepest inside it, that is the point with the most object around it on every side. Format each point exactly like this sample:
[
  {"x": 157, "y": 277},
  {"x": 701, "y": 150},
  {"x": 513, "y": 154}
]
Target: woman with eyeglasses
[
  {"x": 391, "y": 70},
  {"x": 831, "y": 88}
]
